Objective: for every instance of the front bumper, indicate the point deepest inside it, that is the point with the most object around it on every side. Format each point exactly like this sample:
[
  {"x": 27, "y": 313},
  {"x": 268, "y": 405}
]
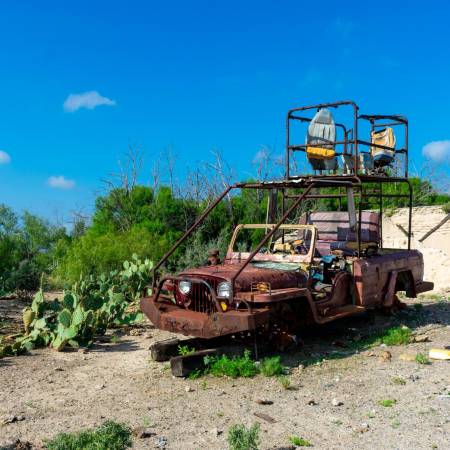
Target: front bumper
[{"x": 173, "y": 318}]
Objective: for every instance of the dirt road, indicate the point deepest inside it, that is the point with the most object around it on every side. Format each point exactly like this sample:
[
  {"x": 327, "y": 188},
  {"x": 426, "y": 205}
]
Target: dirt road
[{"x": 334, "y": 403}]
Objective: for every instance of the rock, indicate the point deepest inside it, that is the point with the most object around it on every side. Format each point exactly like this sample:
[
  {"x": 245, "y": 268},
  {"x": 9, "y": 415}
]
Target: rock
[
  {"x": 421, "y": 338},
  {"x": 83, "y": 350},
  {"x": 262, "y": 401},
  {"x": 59, "y": 369},
  {"x": 188, "y": 389},
  {"x": 216, "y": 432},
  {"x": 407, "y": 357},
  {"x": 143, "y": 433},
  {"x": 265, "y": 417},
  {"x": 161, "y": 442},
  {"x": 300, "y": 367},
  {"x": 363, "y": 428},
  {"x": 312, "y": 402},
  {"x": 413, "y": 377},
  {"x": 18, "y": 445},
  {"x": 11, "y": 419},
  {"x": 336, "y": 402},
  {"x": 385, "y": 356}
]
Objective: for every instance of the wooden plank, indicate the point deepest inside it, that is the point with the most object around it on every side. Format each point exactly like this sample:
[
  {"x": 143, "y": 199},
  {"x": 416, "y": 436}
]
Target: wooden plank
[
  {"x": 182, "y": 366},
  {"x": 164, "y": 350},
  {"x": 439, "y": 225}
]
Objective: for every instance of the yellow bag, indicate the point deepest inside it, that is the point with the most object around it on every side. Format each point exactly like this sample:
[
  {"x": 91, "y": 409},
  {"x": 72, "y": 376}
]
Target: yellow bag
[{"x": 319, "y": 152}]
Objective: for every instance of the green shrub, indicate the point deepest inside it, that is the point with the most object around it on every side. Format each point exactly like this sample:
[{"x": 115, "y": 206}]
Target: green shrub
[
  {"x": 111, "y": 436},
  {"x": 241, "y": 438},
  {"x": 397, "y": 336},
  {"x": 237, "y": 366},
  {"x": 93, "y": 254},
  {"x": 446, "y": 208},
  {"x": 270, "y": 367}
]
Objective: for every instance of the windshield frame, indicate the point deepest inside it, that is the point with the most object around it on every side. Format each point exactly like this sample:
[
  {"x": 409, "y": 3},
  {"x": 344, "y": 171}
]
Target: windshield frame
[{"x": 242, "y": 256}]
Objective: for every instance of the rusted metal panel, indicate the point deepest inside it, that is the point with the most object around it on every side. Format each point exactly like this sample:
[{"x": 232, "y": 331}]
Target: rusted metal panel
[
  {"x": 371, "y": 275},
  {"x": 172, "y": 318}
]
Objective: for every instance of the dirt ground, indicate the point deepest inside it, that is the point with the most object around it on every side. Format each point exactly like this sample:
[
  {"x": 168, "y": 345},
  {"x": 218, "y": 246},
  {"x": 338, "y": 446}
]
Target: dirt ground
[{"x": 333, "y": 403}]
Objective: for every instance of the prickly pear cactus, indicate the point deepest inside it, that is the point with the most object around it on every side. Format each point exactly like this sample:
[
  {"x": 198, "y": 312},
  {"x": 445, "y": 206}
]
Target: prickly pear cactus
[
  {"x": 28, "y": 317},
  {"x": 65, "y": 318},
  {"x": 89, "y": 308}
]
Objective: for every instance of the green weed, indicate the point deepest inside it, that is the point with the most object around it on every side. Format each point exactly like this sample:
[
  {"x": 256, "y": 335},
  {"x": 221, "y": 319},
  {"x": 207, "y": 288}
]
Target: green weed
[
  {"x": 270, "y": 367},
  {"x": 197, "y": 373},
  {"x": 115, "y": 339},
  {"x": 299, "y": 442},
  {"x": 111, "y": 435},
  {"x": 284, "y": 381},
  {"x": 237, "y": 366},
  {"x": 241, "y": 438},
  {"x": 388, "y": 403},
  {"x": 184, "y": 350},
  {"x": 399, "y": 380},
  {"x": 422, "y": 359},
  {"x": 397, "y": 336},
  {"x": 146, "y": 421}
]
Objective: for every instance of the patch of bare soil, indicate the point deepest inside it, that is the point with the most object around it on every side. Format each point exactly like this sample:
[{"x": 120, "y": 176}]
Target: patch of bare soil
[
  {"x": 11, "y": 315},
  {"x": 334, "y": 403}
]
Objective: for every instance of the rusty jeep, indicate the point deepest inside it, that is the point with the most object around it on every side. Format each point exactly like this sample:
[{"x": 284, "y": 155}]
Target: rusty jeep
[{"x": 310, "y": 266}]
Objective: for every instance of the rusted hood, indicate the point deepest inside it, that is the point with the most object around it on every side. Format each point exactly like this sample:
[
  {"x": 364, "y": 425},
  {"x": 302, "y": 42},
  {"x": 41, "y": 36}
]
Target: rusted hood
[{"x": 278, "y": 279}]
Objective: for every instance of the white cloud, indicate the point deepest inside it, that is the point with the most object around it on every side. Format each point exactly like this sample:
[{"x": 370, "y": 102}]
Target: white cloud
[
  {"x": 61, "y": 182},
  {"x": 88, "y": 100},
  {"x": 4, "y": 157},
  {"x": 438, "y": 151}
]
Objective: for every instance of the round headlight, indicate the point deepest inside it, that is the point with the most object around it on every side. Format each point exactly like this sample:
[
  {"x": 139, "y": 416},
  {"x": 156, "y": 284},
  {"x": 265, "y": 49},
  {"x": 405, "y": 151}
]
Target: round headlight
[
  {"x": 224, "y": 290},
  {"x": 185, "y": 287}
]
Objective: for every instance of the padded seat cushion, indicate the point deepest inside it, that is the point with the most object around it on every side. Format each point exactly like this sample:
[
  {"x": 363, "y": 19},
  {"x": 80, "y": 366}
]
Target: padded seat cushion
[{"x": 334, "y": 227}]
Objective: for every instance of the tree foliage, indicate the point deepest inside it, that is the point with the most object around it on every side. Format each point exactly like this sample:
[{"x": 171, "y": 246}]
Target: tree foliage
[{"x": 28, "y": 246}]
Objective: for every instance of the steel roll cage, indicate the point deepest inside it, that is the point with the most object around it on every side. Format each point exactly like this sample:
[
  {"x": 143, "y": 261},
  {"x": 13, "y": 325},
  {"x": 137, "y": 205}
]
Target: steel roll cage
[
  {"x": 307, "y": 183},
  {"x": 354, "y": 141}
]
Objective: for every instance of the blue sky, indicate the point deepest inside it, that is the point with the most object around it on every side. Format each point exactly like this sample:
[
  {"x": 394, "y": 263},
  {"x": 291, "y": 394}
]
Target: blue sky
[{"x": 197, "y": 75}]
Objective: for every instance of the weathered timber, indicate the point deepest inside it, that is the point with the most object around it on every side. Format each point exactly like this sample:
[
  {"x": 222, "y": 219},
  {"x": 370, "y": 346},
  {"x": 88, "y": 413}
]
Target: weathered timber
[
  {"x": 164, "y": 350},
  {"x": 183, "y": 365}
]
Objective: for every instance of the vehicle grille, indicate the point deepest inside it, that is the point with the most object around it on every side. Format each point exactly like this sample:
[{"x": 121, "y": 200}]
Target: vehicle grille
[{"x": 200, "y": 296}]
